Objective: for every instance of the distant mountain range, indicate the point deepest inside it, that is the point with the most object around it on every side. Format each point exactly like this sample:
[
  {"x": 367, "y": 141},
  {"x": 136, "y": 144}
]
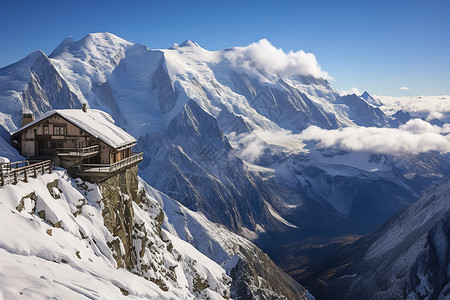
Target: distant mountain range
[{"x": 223, "y": 133}]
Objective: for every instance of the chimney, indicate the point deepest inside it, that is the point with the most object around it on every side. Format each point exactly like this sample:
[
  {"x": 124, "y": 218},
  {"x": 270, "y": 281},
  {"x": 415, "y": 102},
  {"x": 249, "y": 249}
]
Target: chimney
[
  {"x": 84, "y": 107},
  {"x": 27, "y": 117}
]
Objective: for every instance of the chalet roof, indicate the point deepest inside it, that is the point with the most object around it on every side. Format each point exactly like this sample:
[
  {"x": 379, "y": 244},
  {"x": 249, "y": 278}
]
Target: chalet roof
[{"x": 95, "y": 122}]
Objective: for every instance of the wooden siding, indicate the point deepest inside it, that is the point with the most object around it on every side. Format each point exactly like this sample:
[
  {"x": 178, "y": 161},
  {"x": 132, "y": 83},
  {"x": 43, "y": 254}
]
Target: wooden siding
[{"x": 35, "y": 142}]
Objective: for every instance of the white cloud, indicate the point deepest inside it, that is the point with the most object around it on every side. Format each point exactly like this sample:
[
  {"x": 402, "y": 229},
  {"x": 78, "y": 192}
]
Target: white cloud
[
  {"x": 263, "y": 56},
  {"x": 254, "y": 143},
  {"x": 353, "y": 90},
  {"x": 416, "y": 136},
  {"x": 404, "y": 88},
  {"x": 283, "y": 138},
  {"x": 252, "y": 150},
  {"x": 429, "y": 107},
  {"x": 419, "y": 126}
]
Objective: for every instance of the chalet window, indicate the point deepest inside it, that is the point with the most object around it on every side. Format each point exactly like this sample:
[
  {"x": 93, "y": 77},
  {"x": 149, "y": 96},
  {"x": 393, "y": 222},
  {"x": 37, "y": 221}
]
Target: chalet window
[
  {"x": 45, "y": 129},
  {"x": 59, "y": 130}
]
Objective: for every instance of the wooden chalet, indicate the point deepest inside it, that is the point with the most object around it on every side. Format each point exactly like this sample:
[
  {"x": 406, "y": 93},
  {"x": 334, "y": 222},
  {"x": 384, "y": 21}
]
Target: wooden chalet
[{"x": 86, "y": 142}]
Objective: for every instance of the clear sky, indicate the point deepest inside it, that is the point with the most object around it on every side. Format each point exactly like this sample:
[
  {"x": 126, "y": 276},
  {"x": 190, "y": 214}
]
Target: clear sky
[{"x": 378, "y": 46}]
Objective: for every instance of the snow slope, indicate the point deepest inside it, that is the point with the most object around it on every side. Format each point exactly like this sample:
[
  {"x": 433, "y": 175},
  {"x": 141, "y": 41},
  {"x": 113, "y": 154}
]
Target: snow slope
[{"x": 54, "y": 243}]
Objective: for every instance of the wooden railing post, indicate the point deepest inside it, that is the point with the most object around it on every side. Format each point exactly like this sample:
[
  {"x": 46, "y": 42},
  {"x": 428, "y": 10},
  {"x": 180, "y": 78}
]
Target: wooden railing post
[
  {"x": 15, "y": 176},
  {"x": 35, "y": 172},
  {"x": 25, "y": 175},
  {"x": 2, "y": 179}
]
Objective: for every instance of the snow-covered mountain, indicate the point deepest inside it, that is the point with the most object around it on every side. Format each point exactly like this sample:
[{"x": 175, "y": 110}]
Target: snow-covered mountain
[
  {"x": 407, "y": 257},
  {"x": 223, "y": 132},
  {"x": 121, "y": 239}
]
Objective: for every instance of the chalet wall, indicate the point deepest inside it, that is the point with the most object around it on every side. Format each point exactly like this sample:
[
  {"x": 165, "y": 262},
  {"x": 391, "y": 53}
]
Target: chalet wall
[
  {"x": 69, "y": 137},
  {"x": 105, "y": 151},
  {"x": 116, "y": 156}
]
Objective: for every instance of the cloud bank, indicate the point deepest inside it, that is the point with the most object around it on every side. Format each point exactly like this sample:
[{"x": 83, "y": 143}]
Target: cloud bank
[
  {"x": 416, "y": 136},
  {"x": 263, "y": 56},
  {"x": 429, "y": 107},
  {"x": 404, "y": 88}
]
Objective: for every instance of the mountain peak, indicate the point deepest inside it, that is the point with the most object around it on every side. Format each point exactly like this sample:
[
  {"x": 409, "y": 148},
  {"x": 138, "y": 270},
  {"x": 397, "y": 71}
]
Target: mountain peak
[
  {"x": 187, "y": 44},
  {"x": 32, "y": 57},
  {"x": 102, "y": 38},
  {"x": 365, "y": 95},
  {"x": 92, "y": 42},
  {"x": 37, "y": 53},
  {"x": 371, "y": 100}
]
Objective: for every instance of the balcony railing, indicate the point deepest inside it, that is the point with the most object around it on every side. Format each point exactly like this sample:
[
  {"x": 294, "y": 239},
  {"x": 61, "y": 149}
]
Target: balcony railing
[
  {"x": 78, "y": 152},
  {"x": 109, "y": 168},
  {"x": 6, "y": 167},
  {"x": 9, "y": 174}
]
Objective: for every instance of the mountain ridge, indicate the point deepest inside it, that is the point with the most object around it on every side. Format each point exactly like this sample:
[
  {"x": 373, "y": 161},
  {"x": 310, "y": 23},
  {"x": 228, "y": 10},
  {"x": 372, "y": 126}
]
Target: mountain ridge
[{"x": 222, "y": 131}]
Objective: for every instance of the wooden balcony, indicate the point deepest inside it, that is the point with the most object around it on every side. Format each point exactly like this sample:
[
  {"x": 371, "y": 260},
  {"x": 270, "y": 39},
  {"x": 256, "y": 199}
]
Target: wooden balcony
[
  {"x": 95, "y": 172},
  {"x": 78, "y": 152}
]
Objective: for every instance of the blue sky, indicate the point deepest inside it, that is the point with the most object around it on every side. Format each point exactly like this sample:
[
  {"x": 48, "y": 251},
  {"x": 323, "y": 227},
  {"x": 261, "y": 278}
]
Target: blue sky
[{"x": 378, "y": 46}]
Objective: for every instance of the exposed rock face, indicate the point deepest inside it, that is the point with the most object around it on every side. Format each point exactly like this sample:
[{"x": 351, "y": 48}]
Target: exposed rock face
[
  {"x": 104, "y": 93},
  {"x": 39, "y": 88},
  {"x": 287, "y": 105},
  {"x": 118, "y": 193},
  {"x": 167, "y": 94},
  {"x": 430, "y": 276},
  {"x": 260, "y": 278},
  {"x": 30, "y": 198}
]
